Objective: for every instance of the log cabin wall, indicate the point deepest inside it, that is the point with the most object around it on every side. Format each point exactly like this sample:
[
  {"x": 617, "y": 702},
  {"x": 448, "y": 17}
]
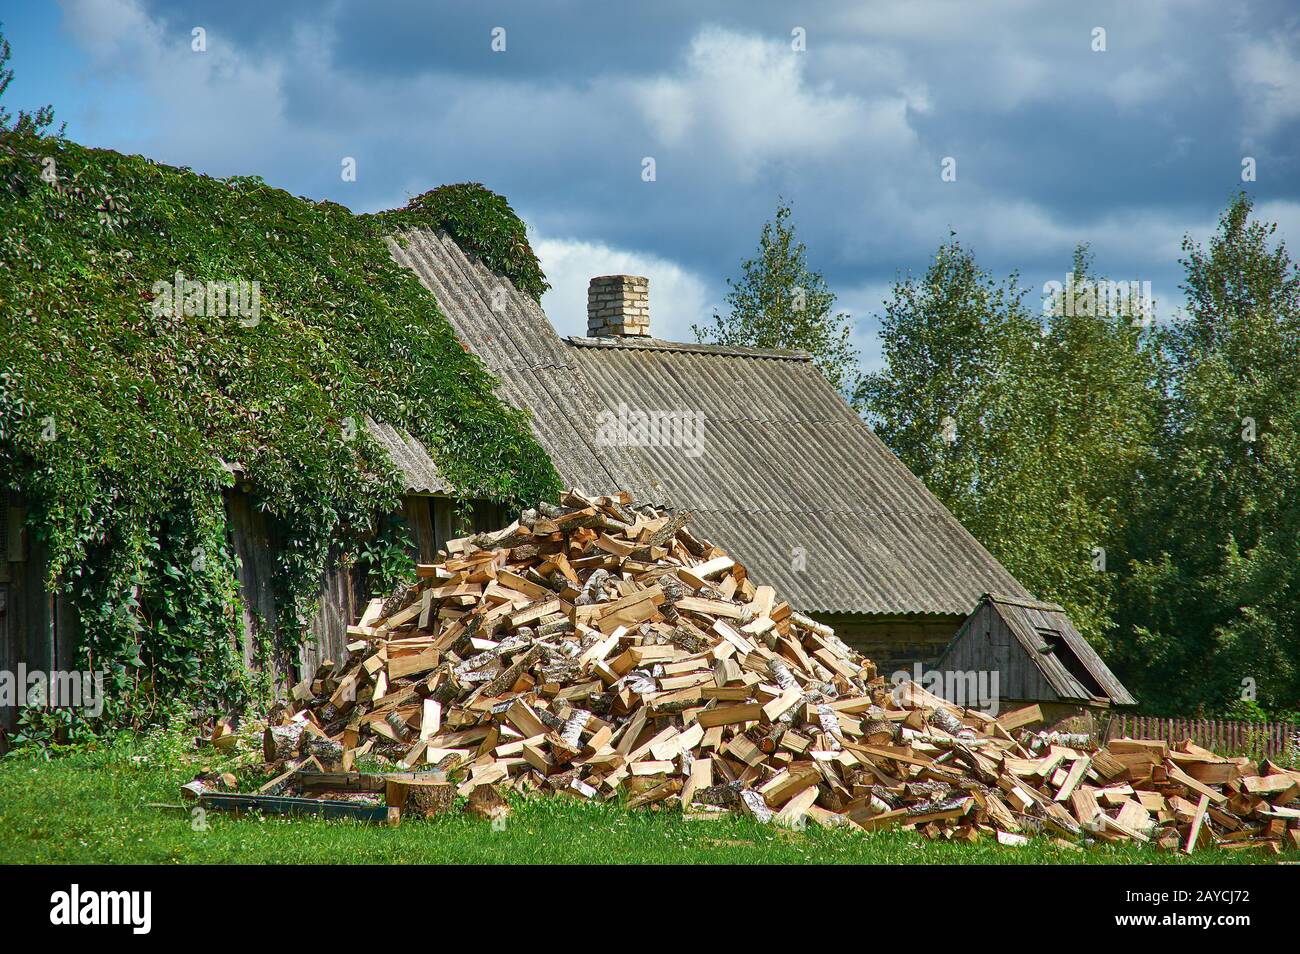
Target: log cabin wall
[
  {"x": 37, "y": 627},
  {"x": 894, "y": 642},
  {"x": 40, "y": 629},
  {"x": 987, "y": 644}
]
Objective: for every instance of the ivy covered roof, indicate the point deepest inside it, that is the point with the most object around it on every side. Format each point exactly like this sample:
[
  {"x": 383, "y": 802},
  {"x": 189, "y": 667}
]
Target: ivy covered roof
[{"x": 157, "y": 322}]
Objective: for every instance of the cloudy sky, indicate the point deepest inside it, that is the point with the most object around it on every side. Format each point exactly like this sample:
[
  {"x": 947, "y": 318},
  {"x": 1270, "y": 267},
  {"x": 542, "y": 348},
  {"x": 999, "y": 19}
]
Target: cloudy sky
[{"x": 1055, "y": 143}]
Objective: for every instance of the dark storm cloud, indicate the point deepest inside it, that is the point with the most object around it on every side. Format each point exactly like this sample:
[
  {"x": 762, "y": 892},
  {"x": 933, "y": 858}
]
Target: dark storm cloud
[{"x": 1055, "y": 144}]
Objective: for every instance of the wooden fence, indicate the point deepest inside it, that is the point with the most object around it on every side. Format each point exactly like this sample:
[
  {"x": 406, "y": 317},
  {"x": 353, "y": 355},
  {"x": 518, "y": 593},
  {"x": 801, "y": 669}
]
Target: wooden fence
[{"x": 1258, "y": 739}]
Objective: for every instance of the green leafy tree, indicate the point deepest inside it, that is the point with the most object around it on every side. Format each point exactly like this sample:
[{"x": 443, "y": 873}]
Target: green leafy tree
[
  {"x": 1211, "y": 611},
  {"x": 779, "y": 302},
  {"x": 1090, "y": 396},
  {"x": 944, "y": 339},
  {"x": 1029, "y": 430}
]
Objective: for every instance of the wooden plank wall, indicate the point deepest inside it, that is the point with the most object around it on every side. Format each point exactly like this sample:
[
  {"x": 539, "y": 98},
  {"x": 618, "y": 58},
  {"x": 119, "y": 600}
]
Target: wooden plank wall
[
  {"x": 986, "y": 643},
  {"x": 418, "y": 513},
  {"x": 338, "y": 609},
  {"x": 443, "y": 520},
  {"x": 27, "y": 617},
  {"x": 40, "y": 629},
  {"x": 432, "y": 522},
  {"x": 894, "y": 642},
  {"x": 252, "y": 538}
]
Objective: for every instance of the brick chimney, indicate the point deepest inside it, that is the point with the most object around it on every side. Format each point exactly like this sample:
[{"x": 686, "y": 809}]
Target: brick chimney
[{"x": 618, "y": 306}]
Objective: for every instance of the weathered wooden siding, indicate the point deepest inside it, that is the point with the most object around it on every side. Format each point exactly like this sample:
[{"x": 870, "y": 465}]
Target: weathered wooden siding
[
  {"x": 432, "y": 521},
  {"x": 36, "y": 627},
  {"x": 444, "y": 520},
  {"x": 985, "y": 644},
  {"x": 39, "y": 628},
  {"x": 329, "y": 628},
  {"x": 894, "y": 642},
  {"x": 255, "y": 539},
  {"x": 1037, "y": 653},
  {"x": 448, "y": 523},
  {"x": 252, "y": 539},
  {"x": 418, "y": 513}
]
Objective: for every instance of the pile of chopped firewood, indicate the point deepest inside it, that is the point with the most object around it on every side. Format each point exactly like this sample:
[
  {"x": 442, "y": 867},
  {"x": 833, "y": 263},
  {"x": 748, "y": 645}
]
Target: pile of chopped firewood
[{"x": 603, "y": 651}]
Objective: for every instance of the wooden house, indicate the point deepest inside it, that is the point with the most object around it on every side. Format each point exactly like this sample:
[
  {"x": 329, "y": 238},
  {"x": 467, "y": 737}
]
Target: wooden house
[
  {"x": 775, "y": 466},
  {"x": 781, "y": 471},
  {"x": 1038, "y": 656},
  {"x": 39, "y": 627}
]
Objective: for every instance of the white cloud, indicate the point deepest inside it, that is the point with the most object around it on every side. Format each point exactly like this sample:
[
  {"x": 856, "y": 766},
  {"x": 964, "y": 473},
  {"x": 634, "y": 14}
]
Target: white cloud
[
  {"x": 749, "y": 98},
  {"x": 1266, "y": 74},
  {"x": 211, "y": 104},
  {"x": 1141, "y": 85},
  {"x": 678, "y": 297}
]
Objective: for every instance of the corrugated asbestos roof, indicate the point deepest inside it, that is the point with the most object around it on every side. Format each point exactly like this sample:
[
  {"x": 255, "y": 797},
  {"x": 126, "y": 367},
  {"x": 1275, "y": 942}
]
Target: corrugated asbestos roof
[
  {"x": 788, "y": 479},
  {"x": 410, "y": 457},
  {"x": 512, "y": 336},
  {"x": 1026, "y": 618},
  {"x": 793, "y": 483}
]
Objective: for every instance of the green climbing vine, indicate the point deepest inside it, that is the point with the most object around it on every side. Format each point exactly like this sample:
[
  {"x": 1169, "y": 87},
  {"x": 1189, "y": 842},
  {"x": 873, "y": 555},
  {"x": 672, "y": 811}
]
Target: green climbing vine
[
  {"x": 481, "y": 222},
  {"x": 160, "y": 330}
]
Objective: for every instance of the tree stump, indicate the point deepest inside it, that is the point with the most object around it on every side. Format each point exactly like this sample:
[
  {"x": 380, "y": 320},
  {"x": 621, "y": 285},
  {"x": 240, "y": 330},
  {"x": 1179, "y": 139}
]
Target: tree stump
[
  {"x": 426, "y": 801},
  {"x": 280, "y": 742},
  {"x": 485, "y": 802}
]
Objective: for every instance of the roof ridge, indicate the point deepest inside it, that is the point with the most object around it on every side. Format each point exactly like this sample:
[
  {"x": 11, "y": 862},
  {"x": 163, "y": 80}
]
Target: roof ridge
[
  {"x": 1026, "y": 602},
  {"x": 687, "y": 347}
]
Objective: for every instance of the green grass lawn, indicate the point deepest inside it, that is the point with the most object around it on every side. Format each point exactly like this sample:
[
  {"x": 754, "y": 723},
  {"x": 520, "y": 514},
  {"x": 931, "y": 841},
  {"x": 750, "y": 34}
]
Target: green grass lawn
[{"x": 95, "y": 807}]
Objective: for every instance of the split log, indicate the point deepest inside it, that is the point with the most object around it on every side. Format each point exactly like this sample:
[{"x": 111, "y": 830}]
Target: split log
[
  {"x": 486, "y": 803},
  {"x": 280, "y": 742},
  {"x": 599, "y": 650}
]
